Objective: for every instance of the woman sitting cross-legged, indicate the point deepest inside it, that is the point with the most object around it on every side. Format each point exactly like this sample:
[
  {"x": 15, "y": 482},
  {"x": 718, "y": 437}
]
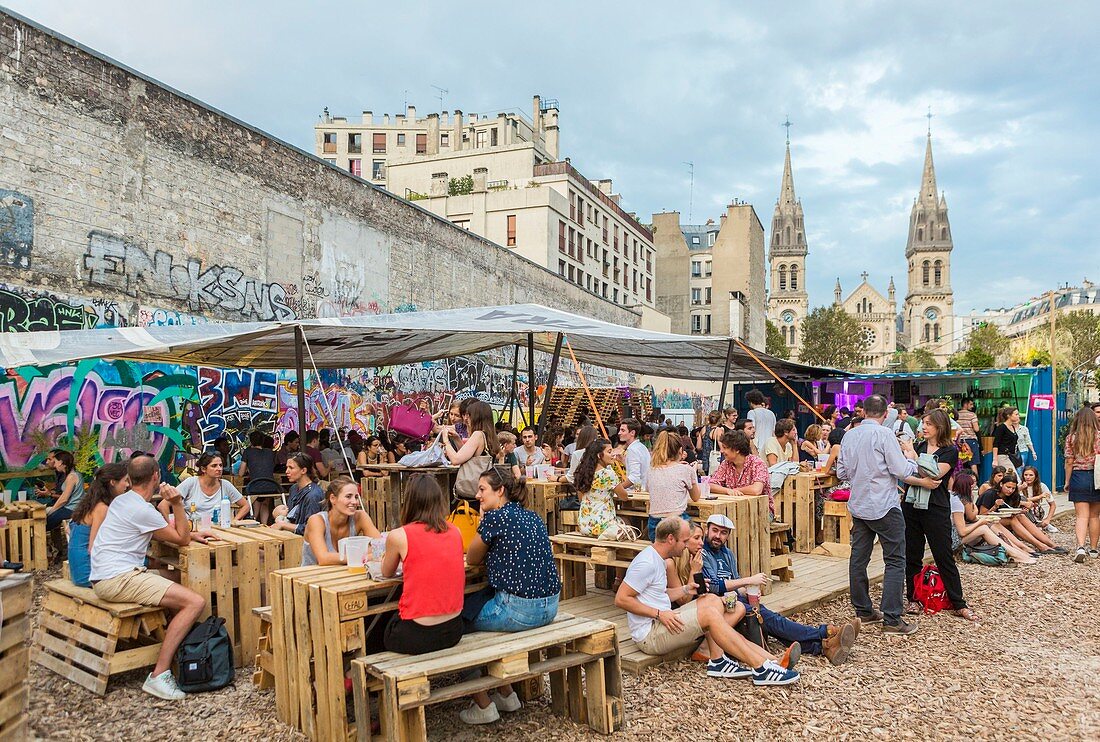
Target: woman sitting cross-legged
[
  {"x": 1006, "y": 495},
  {"x": 429, "y": 612},
  {"x": 340, "y": 519},
  {"x": 523, "y": 580},
  {"x": 967, "y": 532}
]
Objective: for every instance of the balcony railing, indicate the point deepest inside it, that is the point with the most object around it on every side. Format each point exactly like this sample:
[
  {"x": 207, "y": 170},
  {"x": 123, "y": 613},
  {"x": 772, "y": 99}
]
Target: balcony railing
[{"x": 329, "y": 148}]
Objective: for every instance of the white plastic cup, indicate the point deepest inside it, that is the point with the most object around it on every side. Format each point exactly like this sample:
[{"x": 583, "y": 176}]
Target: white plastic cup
[
  {"x": 356, "y": 553},
  {"x": 21, "y": 496},
  {"x": 704, "y": 487},
  {"x": 7, "y": 497},
  {"x": 206, "y": 521},
  {"x": 532, "y": 472},
  {"x": 753, "y": 594},
  {"x": 822, "y": 459}
]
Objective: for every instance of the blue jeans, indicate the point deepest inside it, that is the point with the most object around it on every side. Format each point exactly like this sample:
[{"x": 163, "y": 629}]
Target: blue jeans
[
  {"x": 1025, "y": 459},
  {"x": 785, "y": 629},
  {"x": 652, "y": 523},
  {"x": 80, "y": 561},
  {"x": 54, "y": 519},
  {"x": 507, "y": 612}
]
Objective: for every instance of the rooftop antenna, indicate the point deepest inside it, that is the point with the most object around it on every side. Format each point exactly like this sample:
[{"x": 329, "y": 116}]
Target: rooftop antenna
[
  {"x": 929, "y": 117},
  {"x": 406, "y": 106},
  {"x": 691, "y": 188},
  {"x": 442, "y": 92}
]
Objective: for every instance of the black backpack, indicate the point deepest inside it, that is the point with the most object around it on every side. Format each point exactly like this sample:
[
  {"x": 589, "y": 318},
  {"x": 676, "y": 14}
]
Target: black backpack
[{"x": 205, "y": 658}]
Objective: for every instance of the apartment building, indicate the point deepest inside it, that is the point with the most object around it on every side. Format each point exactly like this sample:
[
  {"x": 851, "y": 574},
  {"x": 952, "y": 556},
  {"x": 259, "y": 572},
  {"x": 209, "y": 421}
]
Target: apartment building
[{"x": 711, "y": 278}]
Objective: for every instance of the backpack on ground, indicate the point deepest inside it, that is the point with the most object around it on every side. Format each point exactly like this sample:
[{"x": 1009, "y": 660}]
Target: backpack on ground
[
  {"x": 928, "y": 590},
  {"x": 205, "y": 658},
  {"x": 991, "y": 555}
]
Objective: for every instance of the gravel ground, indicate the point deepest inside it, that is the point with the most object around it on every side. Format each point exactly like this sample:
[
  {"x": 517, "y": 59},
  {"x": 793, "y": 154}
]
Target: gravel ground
[{"x": 1029, "y": 671}]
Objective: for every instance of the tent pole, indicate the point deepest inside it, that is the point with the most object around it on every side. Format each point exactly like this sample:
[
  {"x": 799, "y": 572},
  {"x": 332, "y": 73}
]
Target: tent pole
[
  {"x": 725, "y": 377},
  {"x": 300, "y": 370},
  {"x": 550, "y": 384},
  {"x": 531, "y": 387},
  {"x": 513, "y": 388}
]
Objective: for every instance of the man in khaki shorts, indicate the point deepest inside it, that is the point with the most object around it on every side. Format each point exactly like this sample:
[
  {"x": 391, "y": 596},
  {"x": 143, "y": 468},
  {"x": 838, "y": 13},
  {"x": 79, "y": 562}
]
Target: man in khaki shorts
[
  {"x": 118, "y": 564},
  {"x": 657, "y": 629}
]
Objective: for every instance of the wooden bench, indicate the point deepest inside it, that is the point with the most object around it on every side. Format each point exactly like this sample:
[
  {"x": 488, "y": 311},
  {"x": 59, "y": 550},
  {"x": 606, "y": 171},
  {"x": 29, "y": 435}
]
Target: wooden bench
[
  {"x": 574, "y": 553},
  {"x": 16, "y": 597},
  {"x": 795, "y": 505},
  {"x": 837, "y": 525},
  {"x": 23, "y": 538},
  {"x": 264, "y": 675},
  {"x": 781, "y": 552},
  {"x": 581, "y": 655},
  {"x": 87, "y": 640}
]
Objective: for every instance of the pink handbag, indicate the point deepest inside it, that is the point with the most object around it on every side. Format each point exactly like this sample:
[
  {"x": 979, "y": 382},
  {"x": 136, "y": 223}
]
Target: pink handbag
[
  {"x": 840, "y": 495},
  {"x": 407, "y": 420}
]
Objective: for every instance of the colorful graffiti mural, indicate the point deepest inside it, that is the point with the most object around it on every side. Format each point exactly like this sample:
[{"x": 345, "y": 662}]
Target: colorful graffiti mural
[{"x": 233, "y": 403}]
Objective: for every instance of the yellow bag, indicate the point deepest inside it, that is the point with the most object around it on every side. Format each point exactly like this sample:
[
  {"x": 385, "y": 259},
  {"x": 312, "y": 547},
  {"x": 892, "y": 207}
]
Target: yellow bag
[{"x": 466, "y": 520}]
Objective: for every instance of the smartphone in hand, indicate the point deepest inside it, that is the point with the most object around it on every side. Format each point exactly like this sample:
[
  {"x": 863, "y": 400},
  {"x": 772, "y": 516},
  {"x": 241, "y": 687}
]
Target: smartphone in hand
[{"x": 699, "y": 580}]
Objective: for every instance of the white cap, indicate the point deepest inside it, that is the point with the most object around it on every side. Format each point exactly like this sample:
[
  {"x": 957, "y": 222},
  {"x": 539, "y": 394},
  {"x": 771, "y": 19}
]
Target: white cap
[{"x": 721, "y": 521}]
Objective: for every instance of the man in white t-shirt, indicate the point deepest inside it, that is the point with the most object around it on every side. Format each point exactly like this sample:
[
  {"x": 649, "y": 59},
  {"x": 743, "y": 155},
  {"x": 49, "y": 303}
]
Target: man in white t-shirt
[
  {"x": 118, "y": 564},
  {"x": 530, "y": 453},
  {"x": 779, "y": 448},
  {"x": 636, "y": 459},
  {"x": 657, "y": 629},
  {"x": 763, "y": 419}
]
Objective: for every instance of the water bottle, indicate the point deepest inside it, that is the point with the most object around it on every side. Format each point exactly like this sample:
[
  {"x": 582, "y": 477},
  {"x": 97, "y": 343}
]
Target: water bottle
[{"x": 225, "y": 511}]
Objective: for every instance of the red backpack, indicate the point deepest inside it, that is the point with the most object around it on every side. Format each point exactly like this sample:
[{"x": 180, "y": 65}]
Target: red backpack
[{"x": 928, "y": 590}]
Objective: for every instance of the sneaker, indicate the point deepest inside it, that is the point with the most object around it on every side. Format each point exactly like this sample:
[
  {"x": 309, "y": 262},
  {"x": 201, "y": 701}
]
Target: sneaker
[
  {"x": 770, "y": 673},
  {"x": 725, "y": 667},
  {"x": 508, "y": 704},
  {"x": 163, "y": 686},
  {"x": 1094, "y": 553},
  {"x": 838, "y": 646},
  {"x": 901, "y": 628},
  {"x": 477, "y": 715},
  {"x": 1080, "y": 555},
  {"x": 873, "y": 617},
  {"x": 1051, "y": 528},
  {"x": 791, "y": 656}
]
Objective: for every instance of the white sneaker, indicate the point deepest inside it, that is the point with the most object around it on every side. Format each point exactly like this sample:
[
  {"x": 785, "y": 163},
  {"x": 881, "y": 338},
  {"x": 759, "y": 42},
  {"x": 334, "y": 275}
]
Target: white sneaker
[
  {"x": 477, "y": 715},
  {"x": 163, "y": 686},
  {"x": 1051, "y": 528},
  {"x": 507, "y": 704}
]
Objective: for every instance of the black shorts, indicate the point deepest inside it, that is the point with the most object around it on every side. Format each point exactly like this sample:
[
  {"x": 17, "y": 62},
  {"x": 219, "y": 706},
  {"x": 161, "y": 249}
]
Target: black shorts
[{"x": 410, "y": 637}]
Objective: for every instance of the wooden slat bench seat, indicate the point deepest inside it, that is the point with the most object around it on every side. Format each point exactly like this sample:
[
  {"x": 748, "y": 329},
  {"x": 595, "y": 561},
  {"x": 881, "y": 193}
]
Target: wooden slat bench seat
[
  {"x": 581, "y": 655},
  {"x": 87, "y": 640},
  {"x": 781, "y": 552},
  {"x": 574, "y": 553}
]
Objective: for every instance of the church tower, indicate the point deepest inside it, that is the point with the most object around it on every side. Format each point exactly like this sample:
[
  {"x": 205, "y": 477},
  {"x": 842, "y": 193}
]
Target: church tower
[
  {"x": 788, "y": 302},
  {"x": 928, "y": 313}
]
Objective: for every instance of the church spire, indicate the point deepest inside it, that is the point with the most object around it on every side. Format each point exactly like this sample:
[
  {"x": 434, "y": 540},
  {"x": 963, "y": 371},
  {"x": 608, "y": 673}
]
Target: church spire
[
  {"x": 787, "y": 198},
  {"x": 837, "y": 291},
  {"x": 928, "y": 191}
]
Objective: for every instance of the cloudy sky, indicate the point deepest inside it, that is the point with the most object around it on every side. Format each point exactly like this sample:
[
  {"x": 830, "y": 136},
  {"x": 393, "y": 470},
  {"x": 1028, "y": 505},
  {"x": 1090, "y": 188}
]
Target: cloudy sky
[{"x": 646, "y": 87}]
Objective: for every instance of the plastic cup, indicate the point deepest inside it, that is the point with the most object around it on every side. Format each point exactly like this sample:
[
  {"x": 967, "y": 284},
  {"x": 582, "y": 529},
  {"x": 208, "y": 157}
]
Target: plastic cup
[
  {"x": 822, "y": 459},
  {"x": 356, "y": 553},
  {"x": 206, "y": 522},
  {"x": 753, "y": 594},
  {"x": 7, "y": 497},
  {"x": 21, "y": 496}
]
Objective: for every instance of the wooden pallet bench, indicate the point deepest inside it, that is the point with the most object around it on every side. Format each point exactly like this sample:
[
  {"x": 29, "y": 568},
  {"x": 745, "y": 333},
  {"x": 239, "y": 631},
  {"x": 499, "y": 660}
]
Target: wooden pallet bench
[
  {"x": 581, "y": 655},
  {"x": 389, "y": 511},
  {"x": 16, "y": 597},
  {"x": 575, "y": 553},
  {"x": 87, "y": 640},
  {"x": 263, "y": 676},
  {"x": 795, "y": 505},
  {"x": 23, "y": 538},
  {"x": 231, "y": 575},
  {"x": 781, "y": 552},
  {"x": 837, "y": 525}
]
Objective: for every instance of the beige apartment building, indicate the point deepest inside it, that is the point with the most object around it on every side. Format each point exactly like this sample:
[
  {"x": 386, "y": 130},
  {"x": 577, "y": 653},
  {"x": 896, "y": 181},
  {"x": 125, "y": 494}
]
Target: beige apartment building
[
  {"x": 711, "y": 278},
  {"x": 500, "y": 178}
]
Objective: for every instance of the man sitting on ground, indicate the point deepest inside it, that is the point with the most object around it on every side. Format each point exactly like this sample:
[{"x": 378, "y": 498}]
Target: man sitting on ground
[
  {"x": 720, "y": 571},
  {"x": 780, "y": 448},
  {"x": 657, "y": 629},
  {"x": 118, "y": 571}
]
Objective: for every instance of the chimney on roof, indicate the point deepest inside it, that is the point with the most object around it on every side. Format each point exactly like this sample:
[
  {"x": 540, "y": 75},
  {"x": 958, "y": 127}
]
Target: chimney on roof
[
  {"x": 456, "y": 140},
  {"x": 433, "y": 134},
  {"x": 481, "y": 179},
  {"x": 410, "y": 112},
  {"x": 368, "y": 117},
  {"x": 439, "y": 185}
]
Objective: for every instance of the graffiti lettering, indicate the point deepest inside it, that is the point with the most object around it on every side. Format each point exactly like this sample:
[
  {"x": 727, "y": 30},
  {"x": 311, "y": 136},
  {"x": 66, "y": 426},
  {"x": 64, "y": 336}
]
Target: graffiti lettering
[
  {"x": 234, "y": 402},
  {"x": 24, "y": 314},
  {"x": 122, "y": 265}
]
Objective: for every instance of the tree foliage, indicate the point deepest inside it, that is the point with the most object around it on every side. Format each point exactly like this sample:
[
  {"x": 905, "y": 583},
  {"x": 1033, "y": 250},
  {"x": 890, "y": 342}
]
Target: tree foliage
[
  {"x": 986, "y": 347},
  {"x": 832, "y": 337},
  {"x": 971, "y": 358},
  {"x": 774, "y": 344},
  {"x": 460, "y": 186},
  {"x": 918, "y": 359},
  {"x": 1083, "y": 331}
]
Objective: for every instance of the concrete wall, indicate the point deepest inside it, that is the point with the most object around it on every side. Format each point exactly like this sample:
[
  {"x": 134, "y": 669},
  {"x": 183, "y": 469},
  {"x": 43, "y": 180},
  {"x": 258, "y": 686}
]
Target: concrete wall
[
  {"x": 126, "y": 193},
  {"x": 672, "y": 271},
  {"x": 739, "y": 266}
]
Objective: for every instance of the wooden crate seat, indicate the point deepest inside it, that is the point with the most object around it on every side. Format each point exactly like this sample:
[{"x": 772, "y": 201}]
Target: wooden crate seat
[
  {"x": 264, "y": 675},
  {"x": 87, "y": 640}
]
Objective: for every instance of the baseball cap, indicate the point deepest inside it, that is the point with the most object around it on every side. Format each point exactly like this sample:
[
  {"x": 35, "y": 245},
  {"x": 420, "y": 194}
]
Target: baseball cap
[{"x": 720, "y": 520}]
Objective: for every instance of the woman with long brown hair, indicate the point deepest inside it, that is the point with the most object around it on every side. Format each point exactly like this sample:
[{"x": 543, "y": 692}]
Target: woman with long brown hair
[
  {"x": 340, "y": 519},
  {"x": 108, "y": 483},
  {"x": 1082, "y": 448},
  {"x": 429, "y": 611},
  {"x": 598, "y": 485}
]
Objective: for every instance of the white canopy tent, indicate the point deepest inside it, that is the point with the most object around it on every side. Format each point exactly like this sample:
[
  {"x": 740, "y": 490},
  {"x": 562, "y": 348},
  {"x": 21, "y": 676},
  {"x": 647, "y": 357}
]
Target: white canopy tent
[{"x": 392, "y": 339}]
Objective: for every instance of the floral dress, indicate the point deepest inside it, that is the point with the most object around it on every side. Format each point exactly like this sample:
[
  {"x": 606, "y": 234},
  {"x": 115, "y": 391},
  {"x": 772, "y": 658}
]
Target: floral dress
[{"x": 597, "y": 505}]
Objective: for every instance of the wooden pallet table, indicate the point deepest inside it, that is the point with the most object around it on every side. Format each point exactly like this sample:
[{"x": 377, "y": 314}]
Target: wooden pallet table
[
  {"x": 375, "y": 492},
  {"x": 87, "y": 640},
  {"x": 321, "y": 618},
  {"x": 397, "y": 475},
  {"x": 581, "y": 655},
  {"x": 543, "y": 497},
  {"x": 837, "y": 525},
  {"x": 231, "y": 574},
  {"x": 16, "y": 596},
  {"x": 264, "y": 675},
  {"x": 575, "y": 553},
  {"x": 23, "y": 538},
  {"x": 795, "y": 505}
]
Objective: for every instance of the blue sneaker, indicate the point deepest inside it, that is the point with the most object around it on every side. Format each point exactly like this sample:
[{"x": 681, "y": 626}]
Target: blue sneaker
[
  {"x": 725, "y": 667},
  {"x": 772, "y": 674}
]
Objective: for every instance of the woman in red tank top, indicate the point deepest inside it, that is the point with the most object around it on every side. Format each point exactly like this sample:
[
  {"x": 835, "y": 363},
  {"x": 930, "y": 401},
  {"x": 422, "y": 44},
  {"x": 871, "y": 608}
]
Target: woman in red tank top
[{"x": 428, "y": 612}]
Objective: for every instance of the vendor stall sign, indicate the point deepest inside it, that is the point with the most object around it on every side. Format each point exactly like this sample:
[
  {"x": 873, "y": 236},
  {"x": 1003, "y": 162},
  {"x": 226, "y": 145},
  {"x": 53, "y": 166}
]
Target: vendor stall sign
[{"x": 1042, "y": 402}]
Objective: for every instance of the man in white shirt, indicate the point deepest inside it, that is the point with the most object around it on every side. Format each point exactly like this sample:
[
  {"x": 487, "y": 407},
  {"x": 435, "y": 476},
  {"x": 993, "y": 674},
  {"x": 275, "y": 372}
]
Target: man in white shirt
[
  {"x": 530, "y": 454},
  {"x": 118, "y": 564},
  {"x": 763, "y": 419},
  {"x": 901, "y": 426},
  {"x": 780, "y": 447},
  {"x": 637, "y": 455},
  {"x": 657, "y": 629}
]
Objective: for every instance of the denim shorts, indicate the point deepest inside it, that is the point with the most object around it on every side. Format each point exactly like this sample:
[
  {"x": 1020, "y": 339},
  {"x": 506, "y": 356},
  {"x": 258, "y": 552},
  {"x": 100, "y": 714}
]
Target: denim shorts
[
  {"x": 652, "y": 523},
  {"x": 507, "y": 612}
]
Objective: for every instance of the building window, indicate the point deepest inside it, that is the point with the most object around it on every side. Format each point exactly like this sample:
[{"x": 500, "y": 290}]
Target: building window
[
  {"x": 794, "y": 278},
  {"x": 938, "y": 272},
  {"x": 696, "y": 296},
  {"x": 696, "y": 324},
  {"x": 400, "y": 140},
  {"x": 648, "y": 289},
  {"x": 711, "y": 237},
  {"x": 445, "y": 140},
  {"x": 696, "y": 268},
  {"x": 927, "y": 331},
  {"x": 615, "y": 232},
  {"x": 355, "y": 166},
  {"x": 572, "y": 207},
  {"x": 695, "y": 239},
  {"x": 561, "y": 237},
  {"x": 511, "y": 230},
  {"x": 329, "y": 139},
  {"x": 783, "y": 277},
  {"x": 571, "y": 273},
  {"x": 943, "y": 233},
  {"x": 920, "y": 234},
  {"x": 706, "y": 295},
  {"x": 572, "y": 243},
  {"x": 707, "y": 269},
  {"x": 925, "y": 266},
  {"x": 615, "y": 296},
  {"x": 378, "y": 170},
  {"x": 378, "y": 145},
  {"x": 355, "y": 143},
  {"x": 561, "y": 267},
  {"x": 421, "y": 144},
  {"x": 492, "y": 137},
  {"x": 936, "y": 332},
  {"x": 479, "y": 139},
  {"x": 605, "y": 230}
]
